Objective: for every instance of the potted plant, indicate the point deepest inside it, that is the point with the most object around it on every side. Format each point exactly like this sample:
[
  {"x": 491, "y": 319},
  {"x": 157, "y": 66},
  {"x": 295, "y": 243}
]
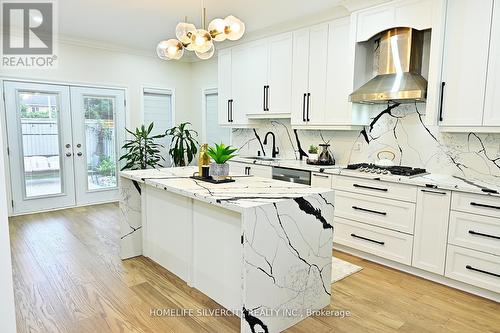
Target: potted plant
[
  {"x": 142, "y": 150},
  {"x": 313, "y": 153},
  {"x": 183, "y": 144},
  {"x": 219, "y": 169}
]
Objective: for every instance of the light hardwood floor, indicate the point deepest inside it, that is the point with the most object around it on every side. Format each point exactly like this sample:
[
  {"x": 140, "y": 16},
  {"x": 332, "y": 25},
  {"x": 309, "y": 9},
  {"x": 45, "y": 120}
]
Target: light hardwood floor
[{"x": 69, "y": 278}]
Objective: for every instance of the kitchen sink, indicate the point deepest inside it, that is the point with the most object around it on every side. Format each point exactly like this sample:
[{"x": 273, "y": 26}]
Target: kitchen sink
[{"x": 261, "y": 158}]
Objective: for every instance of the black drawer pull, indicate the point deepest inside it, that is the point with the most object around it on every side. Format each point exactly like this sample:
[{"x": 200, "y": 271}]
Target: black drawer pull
[
  {"x": 472, "y": 232},
  {"x": 322, "y": 176},
  {"x": 483, "y": 205},
  {"x": 427, "y": 191},
  {"x": 369, "y": 210},
  {"x": 370, "y": 187},
  {"x": 367, "y": 239},
  {"x": 482, "y": 271}
]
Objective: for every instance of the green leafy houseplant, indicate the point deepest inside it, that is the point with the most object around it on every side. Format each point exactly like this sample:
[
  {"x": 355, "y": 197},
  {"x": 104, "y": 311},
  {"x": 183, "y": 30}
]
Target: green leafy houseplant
[
  {"x": 219, "y": 170},
  {"x": 313, "y": 149},
  {"x": 221, "y": 153},
  {"x": 142, "y": 150},
  {"x": 183, "y": 144}
]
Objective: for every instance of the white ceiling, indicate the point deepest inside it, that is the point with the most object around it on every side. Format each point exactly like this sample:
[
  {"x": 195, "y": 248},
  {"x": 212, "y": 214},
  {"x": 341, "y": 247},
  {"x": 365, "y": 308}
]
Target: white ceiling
[{"x": 140, "y": 24}]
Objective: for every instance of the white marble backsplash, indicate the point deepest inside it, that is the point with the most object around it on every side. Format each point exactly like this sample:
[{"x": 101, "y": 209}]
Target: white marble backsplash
[{"x": 472, "y": 156}]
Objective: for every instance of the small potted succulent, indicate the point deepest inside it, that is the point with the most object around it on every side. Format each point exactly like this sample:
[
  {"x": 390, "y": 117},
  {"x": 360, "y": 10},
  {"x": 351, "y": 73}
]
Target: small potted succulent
[
  {"x": 220, "y": 154},
  {"x": 313, "y": 153}
]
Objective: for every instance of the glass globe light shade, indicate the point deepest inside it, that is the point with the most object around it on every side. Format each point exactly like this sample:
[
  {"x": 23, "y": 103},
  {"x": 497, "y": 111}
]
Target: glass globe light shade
[
  {"x": 170, "y": 49},
  {"x": 201, "y": 41},
  {"x": 217, "y": 29},
  {"x": 236, "y": 28},
  {"x": 183, "y": 32},
  {"x": 206, "y": 55}
]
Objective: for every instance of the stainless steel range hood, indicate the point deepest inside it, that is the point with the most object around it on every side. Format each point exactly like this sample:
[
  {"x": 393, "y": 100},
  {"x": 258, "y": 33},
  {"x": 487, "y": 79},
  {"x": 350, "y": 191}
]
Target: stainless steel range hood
[{"x": 399, "y": 66}]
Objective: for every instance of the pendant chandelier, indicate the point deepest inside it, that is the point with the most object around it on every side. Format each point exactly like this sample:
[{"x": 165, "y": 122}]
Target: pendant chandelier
[{"x": 200, "y": 41}]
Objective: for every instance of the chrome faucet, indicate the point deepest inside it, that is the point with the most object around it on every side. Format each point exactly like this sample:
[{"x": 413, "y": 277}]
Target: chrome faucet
[{"x": 276, "y": 150}]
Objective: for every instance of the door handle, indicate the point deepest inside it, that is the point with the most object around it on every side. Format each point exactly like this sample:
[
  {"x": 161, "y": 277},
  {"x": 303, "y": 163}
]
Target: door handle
[
  {"x": 308, "y": 96},
  {"x": 68, "y": 145},
  {"x": 304, "y": 107},
  {"x": 68, "y": 154},
  {"x": 79, "y": 153},
  {"x": 79, "y": 145}
]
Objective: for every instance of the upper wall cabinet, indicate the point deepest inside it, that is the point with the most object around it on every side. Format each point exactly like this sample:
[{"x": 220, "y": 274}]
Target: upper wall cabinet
[
  {"x": 414, "y": 14},
  {"x": 471, "y": 69},
  {"x": 322, "y": 77},
  {"x": 255, "y": 81}
]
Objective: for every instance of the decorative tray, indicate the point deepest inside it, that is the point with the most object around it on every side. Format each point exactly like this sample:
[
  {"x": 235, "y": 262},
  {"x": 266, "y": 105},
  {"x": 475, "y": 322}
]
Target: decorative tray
[{"x": 213, "y": 181}]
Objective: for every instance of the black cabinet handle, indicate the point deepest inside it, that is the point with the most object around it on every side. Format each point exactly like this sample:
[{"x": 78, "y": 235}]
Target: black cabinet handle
[
  {"x": 472, "y": 232},
  {"x": 308, "y": 96},
  {"x": 304, "y": 107},
  {"x": 318, "y": 175},
  {"x": 370, "y": 187},
  {"x": 427, "y": 191},
  {"x": 264, "y": 102},
  {"x": 367, "y": 239},
  {"x": 441, "y": 98},
  {"x": 483, "y": 205},
  {"x": 482, "y": 271},
  {"x": 369, "y": 210},
  {"x": 232, "y": 110},
  {"x": 228, "y": 108},
  {"x": 267, "y": 99}
]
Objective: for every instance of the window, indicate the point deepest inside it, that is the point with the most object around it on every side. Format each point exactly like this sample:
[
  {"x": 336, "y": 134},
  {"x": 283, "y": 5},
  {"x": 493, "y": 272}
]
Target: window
[
  {"x": 158, "y": 109},
  {"x": 213, "y": 132}
]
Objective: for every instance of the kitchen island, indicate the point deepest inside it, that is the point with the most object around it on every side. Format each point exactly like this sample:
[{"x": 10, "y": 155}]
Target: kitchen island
[{"x": 259, "y": 247}]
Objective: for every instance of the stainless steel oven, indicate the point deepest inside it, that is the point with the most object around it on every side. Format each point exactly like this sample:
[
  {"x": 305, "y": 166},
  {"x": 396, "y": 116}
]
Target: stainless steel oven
[{"x": 292, "y": 175}]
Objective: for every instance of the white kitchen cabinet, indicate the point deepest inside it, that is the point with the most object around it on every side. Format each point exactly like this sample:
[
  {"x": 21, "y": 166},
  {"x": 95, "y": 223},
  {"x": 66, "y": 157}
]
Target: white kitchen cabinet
[
  {"x": 254, "y": 72},
  {"x": 492, "y": 100},
  {"x": 279, "y": 76},
  {"x": 224, "y": 91},
  {"x": 310, "y": 55},
  {"x": 300, "y": 76},
  {"x": 339, "y": 74},
  {"x": 465, "y": 62},
  {"x": 321, "y": 180},
  {"x": 318, "y": 60},
  {"x": 431, "y": 230}
]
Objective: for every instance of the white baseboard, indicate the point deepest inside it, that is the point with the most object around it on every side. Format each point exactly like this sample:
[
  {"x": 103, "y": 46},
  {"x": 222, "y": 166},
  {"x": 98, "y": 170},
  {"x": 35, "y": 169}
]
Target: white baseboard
[
  {"x": 61, "y": 208},
  {"x": 421, "y": 273}
]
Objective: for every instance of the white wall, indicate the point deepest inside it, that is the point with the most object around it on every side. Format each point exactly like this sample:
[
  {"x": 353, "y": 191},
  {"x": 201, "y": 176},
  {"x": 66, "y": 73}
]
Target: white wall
[
  {"x": 203, "y": 76},
  {"x": 7, "y": 316},
  {"x": 94, "y": 66}
]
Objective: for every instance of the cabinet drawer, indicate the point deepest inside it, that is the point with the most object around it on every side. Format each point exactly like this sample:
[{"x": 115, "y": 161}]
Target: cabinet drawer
[
  {"x": 387, "y": 213},
  {"x": 375, "y": 187},
  {"x": 321, "y": 180},
  {"x": 476, "y": 203},
  {"x": 384, "y": 243},
  {"x": 473, "y": 267},
  {"x": 475, "y": 232}
]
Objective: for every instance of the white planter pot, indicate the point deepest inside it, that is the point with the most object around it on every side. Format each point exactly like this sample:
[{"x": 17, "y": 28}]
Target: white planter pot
[
  {"x": 219, "y": 171},
  {"x": 313, "y": 157}
]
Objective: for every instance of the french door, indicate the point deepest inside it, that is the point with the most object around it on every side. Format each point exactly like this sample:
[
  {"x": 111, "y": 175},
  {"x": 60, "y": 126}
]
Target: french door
[{"x": 63, "y": 144}]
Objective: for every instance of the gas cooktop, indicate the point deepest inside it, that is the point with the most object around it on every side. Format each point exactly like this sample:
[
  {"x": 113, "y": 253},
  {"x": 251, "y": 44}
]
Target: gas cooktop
[{"x": 397, "y": 170}]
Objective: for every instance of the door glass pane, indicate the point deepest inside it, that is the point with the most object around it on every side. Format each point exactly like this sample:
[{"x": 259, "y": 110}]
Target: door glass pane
[
  {"x": 100, "y": 142},
  {"x": 39, "y": 114}
]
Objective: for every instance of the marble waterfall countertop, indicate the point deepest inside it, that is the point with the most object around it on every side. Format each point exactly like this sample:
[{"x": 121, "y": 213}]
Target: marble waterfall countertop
[
  {"x": 434, "y": 180},
  {"x": 245, "y": 192}
]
